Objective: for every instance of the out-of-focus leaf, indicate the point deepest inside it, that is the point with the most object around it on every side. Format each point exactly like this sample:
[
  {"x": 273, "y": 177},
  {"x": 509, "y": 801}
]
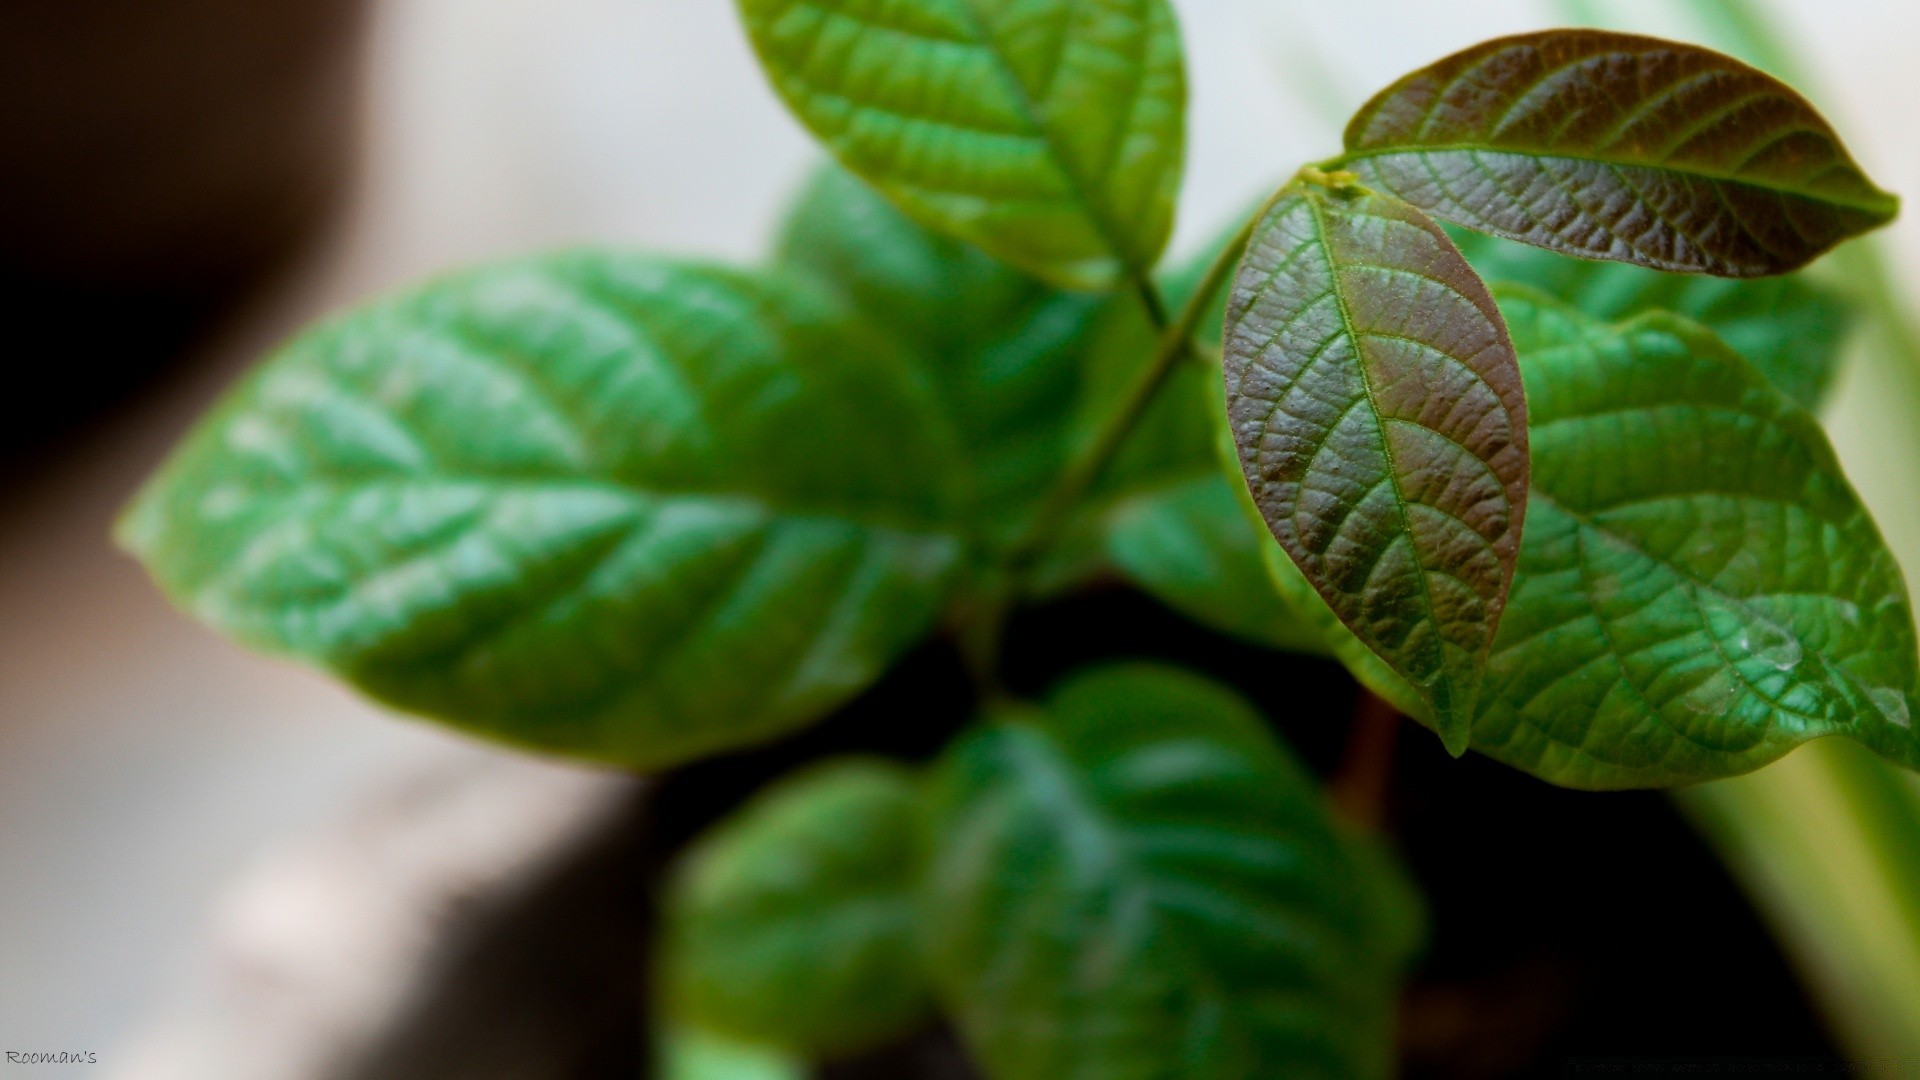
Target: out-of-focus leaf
[
  {"x": 1138, "y": 881},
  {"x": 1189, "y": 544},
  {"x": 1005, "y": 351},
  {"x": 1049, "y": 132},
  {"x": 691, "y": 1054},
  {"x": 1396, "y": 910},
  {"x": 1377, "y": 408},
  {"x": 599, "y": 503},
  {"x": 793, "y": 923},
  {"x": 1162, "y": 514},
  {"x": 1790, "y": 328},
  {"x": 1823, "y": 841},
  {"x": 1615, "y": 146}
]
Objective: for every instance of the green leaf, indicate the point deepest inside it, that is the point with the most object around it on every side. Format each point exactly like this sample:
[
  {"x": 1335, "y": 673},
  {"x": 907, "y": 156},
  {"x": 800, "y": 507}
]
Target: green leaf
[
  {"x": 1614, "y": 146},
  {"x": 1014, "y": 360},
  {"x": 1139, "y": 882},
  {"x": 599, "y": 503},
  {"x": 691, "y": 1054},
  {"x": 1172, "y": 443},
  {"x": 1699, "y": 591},
  {"x": 1005, "y": 351},
  {"x": 1788, "y": 327},
  {"x": 793, "y": 923},
  {"x": 1162, "y": 514},
  {"x": 1048, "y": 132},
  {"x": 1175, "y": 527},
  {"x": 1361, "y": 662},
  {"x": 1189, "y": 544},
  {"x": 1377, "y": 407},
  {"x": 1395, "y": 910}
]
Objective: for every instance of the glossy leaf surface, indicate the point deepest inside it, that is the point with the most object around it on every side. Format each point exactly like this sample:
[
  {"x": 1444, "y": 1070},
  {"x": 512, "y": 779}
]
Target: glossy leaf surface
[
  {"x": 1189, "y": 544},
  {"x": 1377, "y": 408},
  {"x": 1699, "y": 591},
  {"x": 1173, "y": 442},
  {"x": 690, "y": 1054},
  {"x": 599, "y": 503},
  {"x": 1793, "y": 330},
  {"x": 793, "y": 923},
  {"x": 1137, "y": 881},
  {"x": 1614, "y": 146},
  {"x": 1048, "y": 132},
  {"x": 1005, "y": 351},
  {"x": 1162, "y": 514},
  {"x": 1175, "y": 527}
]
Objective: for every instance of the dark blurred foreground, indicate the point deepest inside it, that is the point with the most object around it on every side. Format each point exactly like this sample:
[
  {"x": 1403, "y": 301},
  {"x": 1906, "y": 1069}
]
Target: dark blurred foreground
[
  {"x": 161, "y": 159},
  {"x": 1567, "y": 926}
]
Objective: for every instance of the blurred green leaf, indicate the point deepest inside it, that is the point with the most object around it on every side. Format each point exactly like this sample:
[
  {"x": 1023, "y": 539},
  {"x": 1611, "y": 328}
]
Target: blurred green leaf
[
  {"x": 1136, "y": 880},
  {"x": 599, "y": 503},
  {"x": 1005, "y": 351},
  {"x": 1163, "y": 512},
  {"x": 691, "y": 1054},
  {"x": 1615, "y": 146},
  {"x": 1189, "y": 544},
  {"x": 1049, "y": 132},
  {"x": 1174, "y": 526},
  {"x": 1791, "y": 329},
  {"x": 793, "y": 923},
  {"x": 1377, "y": 407}
]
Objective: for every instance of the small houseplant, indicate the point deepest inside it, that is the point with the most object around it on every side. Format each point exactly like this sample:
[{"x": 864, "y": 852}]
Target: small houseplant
[{"x": 1505, "y": 407}]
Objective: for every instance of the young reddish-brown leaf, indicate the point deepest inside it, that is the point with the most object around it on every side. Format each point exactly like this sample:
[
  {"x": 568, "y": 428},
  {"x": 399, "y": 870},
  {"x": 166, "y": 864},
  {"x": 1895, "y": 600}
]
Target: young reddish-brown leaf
[
  {"x": 1614, "y": 146},
  {"x": 1378, "y": 411}
]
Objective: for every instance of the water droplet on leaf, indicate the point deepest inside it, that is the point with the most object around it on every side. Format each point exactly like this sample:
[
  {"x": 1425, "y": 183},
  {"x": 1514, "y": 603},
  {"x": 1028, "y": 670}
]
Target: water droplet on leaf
[{"x": 1892, "y": 705}]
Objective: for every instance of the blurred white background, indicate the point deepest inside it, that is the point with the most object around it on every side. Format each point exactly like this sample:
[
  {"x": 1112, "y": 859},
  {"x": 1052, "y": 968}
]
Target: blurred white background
[{"x": 145, "y": 764}]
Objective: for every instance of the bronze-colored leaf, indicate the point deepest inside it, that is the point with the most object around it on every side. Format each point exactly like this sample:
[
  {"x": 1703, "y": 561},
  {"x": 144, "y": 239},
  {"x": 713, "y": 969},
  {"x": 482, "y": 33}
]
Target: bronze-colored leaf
[
  {"x": 1378, "y": 411},
  {"x": 1615, "y": 146}
]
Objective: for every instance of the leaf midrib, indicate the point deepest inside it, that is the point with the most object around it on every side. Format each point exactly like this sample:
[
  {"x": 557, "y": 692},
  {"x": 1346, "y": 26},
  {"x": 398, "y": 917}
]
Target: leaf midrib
[
  {"x": 1037, "y": 756},
  {"x": 1373, "y": 406},
  {"x": 1029, "y": 109},
  {"x": 1885, "y": 206},
  {"x": 1693, "y": 581}
]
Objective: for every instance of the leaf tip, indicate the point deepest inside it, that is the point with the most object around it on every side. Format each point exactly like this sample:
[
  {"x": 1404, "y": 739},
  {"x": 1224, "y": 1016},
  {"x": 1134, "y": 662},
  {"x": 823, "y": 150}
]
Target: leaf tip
[{"x": 1453, "y": 720}]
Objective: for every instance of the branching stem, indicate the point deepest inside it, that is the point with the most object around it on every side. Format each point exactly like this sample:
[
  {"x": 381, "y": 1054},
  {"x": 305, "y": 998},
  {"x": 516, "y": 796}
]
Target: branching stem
[{"x": 980, "y": 632}]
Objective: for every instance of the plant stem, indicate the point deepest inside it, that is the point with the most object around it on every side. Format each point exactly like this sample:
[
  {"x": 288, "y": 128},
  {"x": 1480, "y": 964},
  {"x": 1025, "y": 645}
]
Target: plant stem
[
  {"x": 1360, "y": 788},
  {"x": 1176, "y": 344},
  {"x": 978, "y": 637},
  {"x": 980, "y": 632}
]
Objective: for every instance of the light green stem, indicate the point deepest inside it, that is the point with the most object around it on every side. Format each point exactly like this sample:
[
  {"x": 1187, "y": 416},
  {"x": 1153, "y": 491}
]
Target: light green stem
[
  {"x": 1175, "y": 345},
  {"x": 982, "y": 626}
]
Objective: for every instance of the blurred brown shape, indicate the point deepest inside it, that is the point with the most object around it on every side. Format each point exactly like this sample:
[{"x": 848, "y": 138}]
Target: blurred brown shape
[{"x": 161, "y": 157}]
